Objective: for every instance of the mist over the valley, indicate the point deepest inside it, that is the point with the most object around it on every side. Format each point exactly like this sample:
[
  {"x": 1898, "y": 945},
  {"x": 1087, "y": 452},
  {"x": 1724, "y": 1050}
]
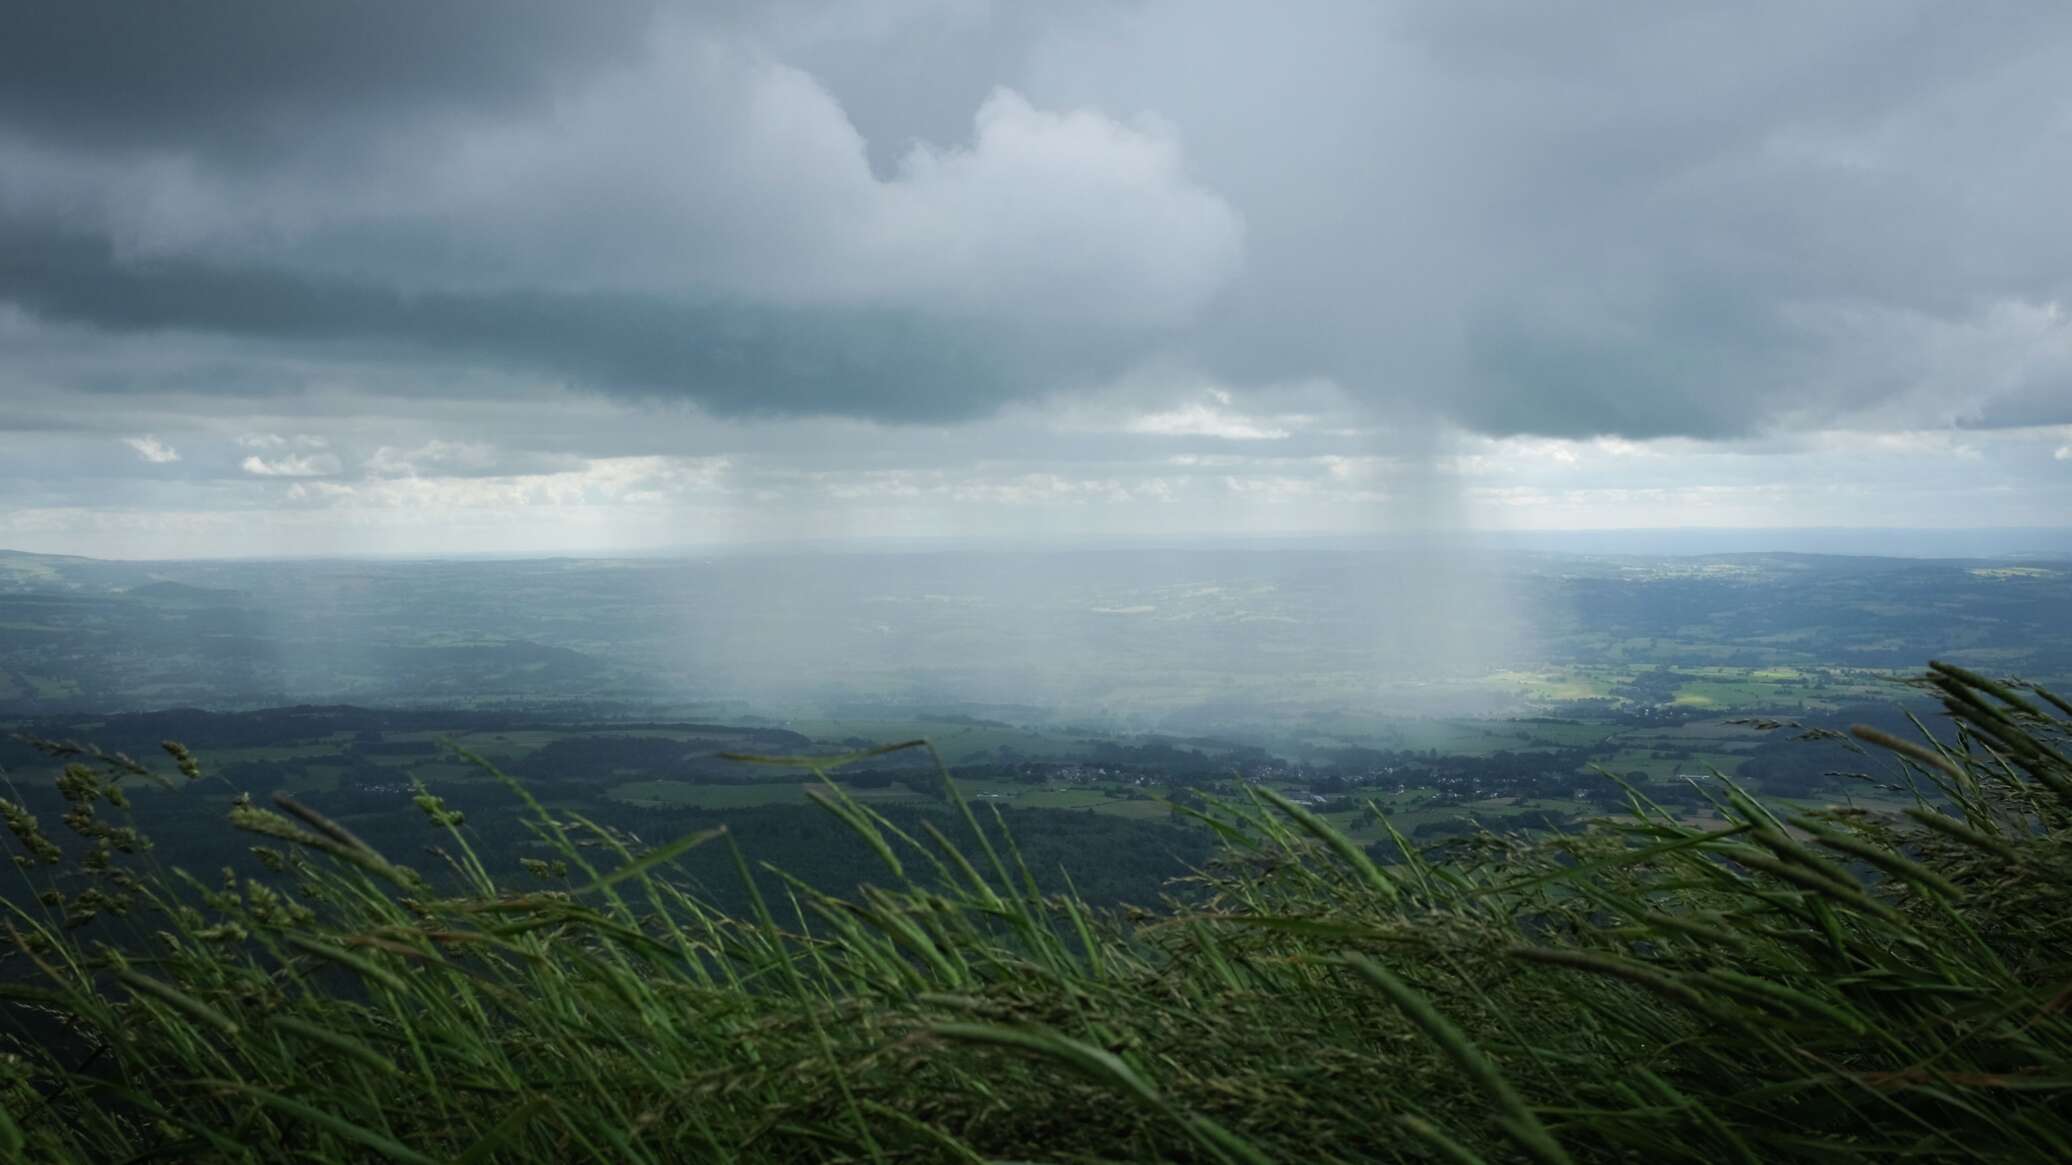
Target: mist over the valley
[{"x": 1178, "y": 638}]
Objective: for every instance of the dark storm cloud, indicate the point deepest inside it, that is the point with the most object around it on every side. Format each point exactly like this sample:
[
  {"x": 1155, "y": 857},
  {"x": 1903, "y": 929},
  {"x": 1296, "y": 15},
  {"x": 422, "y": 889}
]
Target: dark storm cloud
[
  {"x": 735, "y": 359},
  {"x": 228, "y": 76},
  {"x": 1591, "y": 218}
]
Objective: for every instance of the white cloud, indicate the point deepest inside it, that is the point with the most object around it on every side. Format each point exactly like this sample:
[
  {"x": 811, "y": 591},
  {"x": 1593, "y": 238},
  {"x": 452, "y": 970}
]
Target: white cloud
[
  {"x": 1037, "y": 488},
  {"x": 1211, "y": 418},
  {"x": 1271, "y": 488},
  {"x": 980, "y": 487},
  {"x": 1199, "y": 420},
  {"x": 606, "y": 481},
  {"x": 1352, "y": 470},
  {"x": 152, "y": 449},
  {"x": 390, "y": 461},
  {"x": 293, "y": 465},
  {"x": 277, "y": 441},
  {"x": 1480, "y": 455}
]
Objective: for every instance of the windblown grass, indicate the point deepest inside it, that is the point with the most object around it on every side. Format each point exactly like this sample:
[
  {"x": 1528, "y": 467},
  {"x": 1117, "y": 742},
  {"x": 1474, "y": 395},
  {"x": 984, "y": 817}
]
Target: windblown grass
[{"x": 1795, "y": 985}]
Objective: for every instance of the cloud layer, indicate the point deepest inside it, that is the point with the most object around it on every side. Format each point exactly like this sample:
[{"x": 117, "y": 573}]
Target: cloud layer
[{"x": 1110, "y": 233}]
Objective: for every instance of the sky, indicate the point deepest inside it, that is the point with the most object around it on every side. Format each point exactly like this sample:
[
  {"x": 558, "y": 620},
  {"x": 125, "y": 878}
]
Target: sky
[{"x": 524, "y": 276}]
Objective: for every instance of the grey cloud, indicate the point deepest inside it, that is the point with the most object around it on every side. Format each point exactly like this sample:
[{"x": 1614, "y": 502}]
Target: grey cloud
[
  {"x": 1595, "y": 218},
  {"x": 1693, "y": 360},
  {"x": 697, "y": 222},
  {"x": 950, "y": 54},
  {"x": 237, "y": 78},
  {"x": 2048, "y": 402},
  {"x": 1707, "y": 220},
  {"x": 733, "y": 358}
]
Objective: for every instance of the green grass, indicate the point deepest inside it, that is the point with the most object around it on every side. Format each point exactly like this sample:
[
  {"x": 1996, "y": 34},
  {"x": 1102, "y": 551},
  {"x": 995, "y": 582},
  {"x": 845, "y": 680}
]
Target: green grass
[
  {"x": 44, "y": 688},
  {"x": 706, "y": 796},
  {"x": 957, "y": 742},
  {"x": 1778, "y": 986},
  {"x": 1144, "y": 808},
  {"x": 1062, "y": 798},
  {"x": 314, "y": 746},
  {"x": 982, "y": 793}
]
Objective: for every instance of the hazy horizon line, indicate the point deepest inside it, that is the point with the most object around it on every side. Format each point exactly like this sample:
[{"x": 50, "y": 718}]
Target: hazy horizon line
[{"x": 1943, "y": 542}]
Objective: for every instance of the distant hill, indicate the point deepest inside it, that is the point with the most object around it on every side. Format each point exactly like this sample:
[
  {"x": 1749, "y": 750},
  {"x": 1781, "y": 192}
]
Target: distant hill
[{"x": 180, "y": 592}]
